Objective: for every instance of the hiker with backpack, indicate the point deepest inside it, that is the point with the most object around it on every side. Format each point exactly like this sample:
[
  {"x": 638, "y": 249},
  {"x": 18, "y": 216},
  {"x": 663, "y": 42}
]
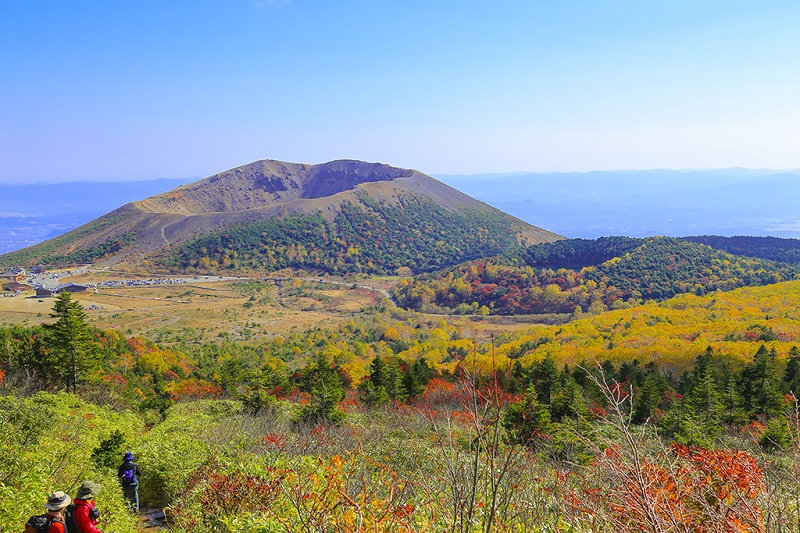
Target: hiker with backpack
[
  {"x": 81, "y": 517},
  {"x": 53, "y": 520},
  {"x": 128, "y": 474}
]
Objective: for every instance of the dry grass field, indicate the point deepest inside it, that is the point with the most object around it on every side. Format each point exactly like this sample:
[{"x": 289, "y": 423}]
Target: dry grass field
[
  {"x": 224, "y": 308},
  {"x": 212, "y": 308}
]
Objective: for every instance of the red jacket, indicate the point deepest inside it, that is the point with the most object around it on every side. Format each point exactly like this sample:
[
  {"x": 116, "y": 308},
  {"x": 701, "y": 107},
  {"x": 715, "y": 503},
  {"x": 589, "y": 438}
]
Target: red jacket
[
  {"x": 57, "y": 527},
  {"x": 85, "y": 524}
]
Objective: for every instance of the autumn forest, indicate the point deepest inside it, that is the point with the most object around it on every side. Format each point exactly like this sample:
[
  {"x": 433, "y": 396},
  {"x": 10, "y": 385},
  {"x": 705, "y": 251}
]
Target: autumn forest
[{"x": 610, "y": 385}]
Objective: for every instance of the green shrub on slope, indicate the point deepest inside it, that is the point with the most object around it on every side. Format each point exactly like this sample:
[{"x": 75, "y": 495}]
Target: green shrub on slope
[{"x": 46, "y": 444}]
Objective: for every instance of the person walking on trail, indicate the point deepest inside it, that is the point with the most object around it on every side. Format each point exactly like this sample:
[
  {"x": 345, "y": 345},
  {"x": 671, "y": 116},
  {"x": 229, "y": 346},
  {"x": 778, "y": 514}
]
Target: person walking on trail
[
  {"x": 85, "y": 512},
  {"x": 128, "y": 474},
  {"x": 53, "y": 520}
]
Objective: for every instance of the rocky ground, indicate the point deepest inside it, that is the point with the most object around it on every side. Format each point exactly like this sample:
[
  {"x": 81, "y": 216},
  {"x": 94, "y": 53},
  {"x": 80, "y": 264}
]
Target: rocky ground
[{"x": 151, "y": 520}]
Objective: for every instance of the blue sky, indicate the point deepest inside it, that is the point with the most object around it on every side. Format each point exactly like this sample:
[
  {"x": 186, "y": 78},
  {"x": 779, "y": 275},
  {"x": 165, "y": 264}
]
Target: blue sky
[{"x": 108, "y": 90}]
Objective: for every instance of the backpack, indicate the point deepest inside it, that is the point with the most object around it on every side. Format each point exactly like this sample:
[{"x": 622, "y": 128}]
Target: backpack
[
  {"x": 129, "y": 475},
  {"x": 70, "y": 522},
  {"x": 38, "y": 524}
]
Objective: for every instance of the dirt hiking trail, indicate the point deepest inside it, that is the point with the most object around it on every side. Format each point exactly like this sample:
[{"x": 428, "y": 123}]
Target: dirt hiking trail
[{"x": 151, "y": 520}]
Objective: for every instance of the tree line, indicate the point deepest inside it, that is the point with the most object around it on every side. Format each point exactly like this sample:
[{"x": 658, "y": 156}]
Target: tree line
[{"x": 373, "y": 364}]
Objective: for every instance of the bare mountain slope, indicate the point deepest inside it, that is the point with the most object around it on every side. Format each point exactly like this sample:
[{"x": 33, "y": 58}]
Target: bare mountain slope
[
  {"x": 270, "y": 183},
  {"x": 268, "y": 190}
]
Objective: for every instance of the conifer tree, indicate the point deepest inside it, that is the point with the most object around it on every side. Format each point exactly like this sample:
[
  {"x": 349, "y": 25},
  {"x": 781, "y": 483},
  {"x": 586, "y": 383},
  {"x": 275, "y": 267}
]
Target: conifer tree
[
  {"x": 416, "y": 377},
  {"x": 422, "y": 371},
  {"x": 377, "y": 372},
  {"x": 73, "y": 352},
  {"x": 388, "y": 382},
  {"x": 411, "y": 383},
  {"x": 609, "y": 371},
  {"x": 323, "y": 382},
  {"x": 568, "y": 402},
  {"x": 733, "y": 404},
  {"x": 394, "y": 381},
  {"x": 517, "y": 378},
  {"x": 373, "y": 390},
  {"x": 649, "y": 396},
  {"x": 760, "y": 385},
  {"x": 704, "y": 402},
  {"x": 527, "y": 419},
  {"x": 791, "y": 376},
  {"x": 696, "y": 417},
  {"x": 546, "y": 381}
]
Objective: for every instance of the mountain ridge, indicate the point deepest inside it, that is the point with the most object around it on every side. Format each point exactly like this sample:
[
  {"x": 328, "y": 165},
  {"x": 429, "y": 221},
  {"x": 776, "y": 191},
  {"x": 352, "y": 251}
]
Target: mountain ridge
[{"x": 254, "y": 193}]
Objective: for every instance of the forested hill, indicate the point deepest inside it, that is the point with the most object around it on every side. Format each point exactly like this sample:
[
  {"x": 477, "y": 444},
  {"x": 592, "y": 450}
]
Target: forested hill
[
  {"x": 772, "y": 248},
  {"x": 578, "y": 276},
  {"x": 578, "y": 253},
  {"x": 372, "y": 237}
]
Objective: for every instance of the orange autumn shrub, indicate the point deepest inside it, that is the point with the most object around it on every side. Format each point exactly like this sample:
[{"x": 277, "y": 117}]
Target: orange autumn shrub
[
  {"x": 348, "y": 494},
  {"x": 694, "y": 490}
]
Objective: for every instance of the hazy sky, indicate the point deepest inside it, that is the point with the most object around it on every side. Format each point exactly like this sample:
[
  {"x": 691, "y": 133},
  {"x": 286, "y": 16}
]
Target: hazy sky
[{"x": 142, "y": 89}]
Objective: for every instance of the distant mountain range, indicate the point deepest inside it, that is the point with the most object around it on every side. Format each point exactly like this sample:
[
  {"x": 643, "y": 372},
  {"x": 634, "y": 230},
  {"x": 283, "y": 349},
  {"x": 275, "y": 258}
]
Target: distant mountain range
[
  {"x": 725, "y": 202},
  {"x": 342, "y": 216}
]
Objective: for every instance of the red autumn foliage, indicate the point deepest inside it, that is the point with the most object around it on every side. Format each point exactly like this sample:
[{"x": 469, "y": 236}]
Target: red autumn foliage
[
  {"x": 226, "y": 494},
  {"x": 704, "y": 491},
  {"x": 438, "y": 393},
  {"x": 274, "y": 441},
  {"x": 195, "y": 389}
]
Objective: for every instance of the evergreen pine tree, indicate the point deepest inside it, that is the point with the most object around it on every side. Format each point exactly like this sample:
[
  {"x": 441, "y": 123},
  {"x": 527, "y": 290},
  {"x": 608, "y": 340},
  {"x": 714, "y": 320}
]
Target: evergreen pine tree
[
  {"x": 704, "y": 404},
  {"x": 732, "y": 401},
  {"x": 791, "y": 376},
  {"x": 373, "y": 390},
  {"x": 325, "y": 385},
  {"x": 394, "y": 381},
  {"x": 411, "y": 383},
  {"x": 372, "y": 395},
  {"x": 546, "y": 382},
  {"x": 377, "y": 372},
  {"x": 517, "y": 378},
  {"x": 609, "y": 371},
  {"x": 527, "y": 419},
  {"x": 696, "y": 417},
  {"x": 422, "y": 371},
  {"x": 760, "y": 385},
  {"x": 649, "y": 397},
  {"x": 73, "y": 351},
  {"x": 568, "y": 402}
]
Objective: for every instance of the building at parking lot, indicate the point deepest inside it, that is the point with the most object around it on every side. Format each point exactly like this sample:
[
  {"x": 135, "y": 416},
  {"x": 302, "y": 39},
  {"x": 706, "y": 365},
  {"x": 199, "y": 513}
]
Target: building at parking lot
[{"x": 15, "y": 274}]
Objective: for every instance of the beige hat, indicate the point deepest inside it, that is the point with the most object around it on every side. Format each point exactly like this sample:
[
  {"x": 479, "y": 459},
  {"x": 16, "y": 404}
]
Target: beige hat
[{"x": 58, "y": 500}]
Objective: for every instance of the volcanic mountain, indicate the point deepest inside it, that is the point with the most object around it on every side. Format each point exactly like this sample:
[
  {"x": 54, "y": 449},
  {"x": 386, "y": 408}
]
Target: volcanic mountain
[{"x": 341, "y": 216}]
